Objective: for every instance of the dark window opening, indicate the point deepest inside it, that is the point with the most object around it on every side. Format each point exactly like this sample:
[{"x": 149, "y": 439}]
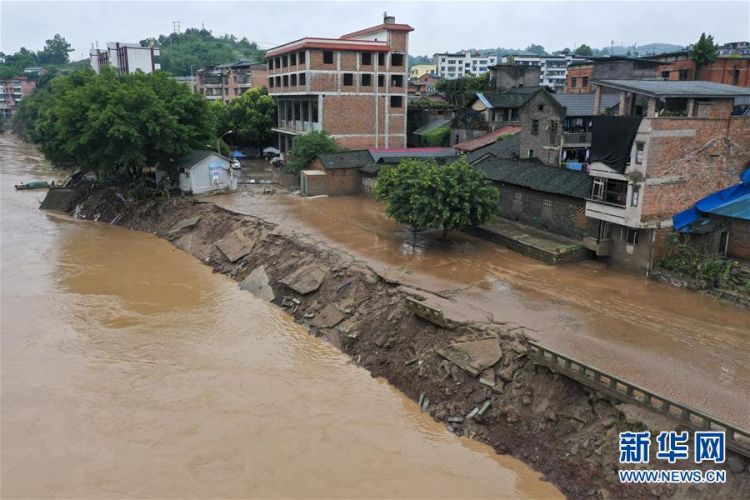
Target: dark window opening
[
  {"x": 348, "y": 79},
  {"x": 397, "y": 101},
  {"x": 277, "y": 62},
  {"x": 736, "y": 76},
  {"x": 302, "y": 78},
  {"x": 534, "y": 127},
  {"x": 285, "y": 61},
  {"x": 294, "y": 80},
  {"x": 293, "y": 59},
  {"x": 286, "y": 81},
  {"x": 381, "y": 80},
  {"x": 683, "y": 74},
  {"x": 665, "y": 75},
  {"x": 531, "y": 153},
  {"x": 541, "y": 107},
  {"x": 381, "y": 58},
  {"x": 278, "y": 81},
  {"x": 639, "y": 147},
  {"x": 270, "y": 82},
  {"x": 314, "y": 111},
  {"x": 327, "y": 57},
  {"x": 366, "y": 58},
  {"x": 366, "y": 80},
  {"x": 397, "y": 59},
  {"x": 301, "y": 57},
  {"x": 612, "y": 191},
  {"x": 573, "y": 81},
  {"x": 585, "y": 81},
  {"x": 397, "y": 81},
  {"x": 629, "y": 236}
]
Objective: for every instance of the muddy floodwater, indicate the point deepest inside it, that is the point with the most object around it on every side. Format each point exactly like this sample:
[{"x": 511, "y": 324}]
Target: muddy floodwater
[
  {"x": 130, "y": 370},
  {"x": 683, "y": 345}
]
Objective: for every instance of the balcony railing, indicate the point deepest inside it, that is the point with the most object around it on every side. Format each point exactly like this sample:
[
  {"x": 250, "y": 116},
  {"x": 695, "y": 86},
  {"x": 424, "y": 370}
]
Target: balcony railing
[
  {"x": 576, "y": 138},
  {"x": 299, "y": 125}
]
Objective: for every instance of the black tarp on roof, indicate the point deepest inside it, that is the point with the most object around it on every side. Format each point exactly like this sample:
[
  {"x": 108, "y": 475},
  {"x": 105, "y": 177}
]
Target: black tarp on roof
[{"x": 612, "y": 139}]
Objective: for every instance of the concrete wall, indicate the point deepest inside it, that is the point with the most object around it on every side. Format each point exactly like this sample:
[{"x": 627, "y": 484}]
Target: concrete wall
[
  {"x": 562, "y": 215},
  {"x": 508, "y": 76},
  {"x": 211, "y": 174}
]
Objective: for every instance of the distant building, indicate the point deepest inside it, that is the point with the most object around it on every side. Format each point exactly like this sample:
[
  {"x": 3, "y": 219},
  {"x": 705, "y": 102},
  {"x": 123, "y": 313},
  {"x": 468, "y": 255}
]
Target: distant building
[
  {"x": 460, "y": 64},
  {"x": 12, "y": 92},
  {"x": 735, "y": 48},
  {"x": 35, "y": 71},
  {"x": 553, "y": 70},
  {"x": 418, "y": 70},
  {"x": 354, "y": 87},
  {"x": 508, "y": 76},
  {"x": 188, "y": 81},
  {"x": 204, "y": 171},
  {"x": 127, "y": 58},
  {"x": 227, "y": 81}
]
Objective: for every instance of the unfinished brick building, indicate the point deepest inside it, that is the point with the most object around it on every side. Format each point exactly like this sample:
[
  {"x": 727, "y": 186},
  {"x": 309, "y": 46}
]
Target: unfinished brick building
[
  {"x": 353, "y": 87},
  {"x": 671, "y": 143}
]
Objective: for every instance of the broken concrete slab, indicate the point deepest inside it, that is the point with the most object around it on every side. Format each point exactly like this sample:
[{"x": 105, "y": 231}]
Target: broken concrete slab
[
  {"x": 235, "y": 245},
  {"x": 184, "y": 224},
  {"x": 306, "y": 279},
  {"x": 329, "y": 317},
  {"x": 257, "y": 283},
  {"x": 473, "y": 356},
  {"x": 487, "y": 377}
]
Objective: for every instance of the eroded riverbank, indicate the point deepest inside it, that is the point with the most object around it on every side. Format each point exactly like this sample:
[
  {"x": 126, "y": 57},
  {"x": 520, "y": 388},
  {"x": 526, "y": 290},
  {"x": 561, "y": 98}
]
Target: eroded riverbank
[{"x": 563, "y": 429}]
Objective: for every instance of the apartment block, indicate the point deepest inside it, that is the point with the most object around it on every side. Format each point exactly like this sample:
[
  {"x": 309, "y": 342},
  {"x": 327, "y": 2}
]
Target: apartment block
[
  {"x": 669, "y": 144},
  {"x": 553, "y": 70},
  {"x": 227, "y": 81},
  {"x": 12, "y": 92},
  {"x": 460, "y": 64},
  {"x": 126, "y": 58},
  {"x": 353, "y": 87}
]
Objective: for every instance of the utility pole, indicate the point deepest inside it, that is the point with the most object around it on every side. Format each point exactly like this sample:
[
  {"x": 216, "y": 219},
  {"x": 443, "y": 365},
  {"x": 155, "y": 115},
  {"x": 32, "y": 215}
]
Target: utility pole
[{"x": 176, "y": 27}]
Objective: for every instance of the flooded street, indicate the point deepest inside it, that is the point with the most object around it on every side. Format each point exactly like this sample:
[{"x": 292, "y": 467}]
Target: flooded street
[
  {"x": 681, "y": 344},
  {"x": 131, "y": 370}
]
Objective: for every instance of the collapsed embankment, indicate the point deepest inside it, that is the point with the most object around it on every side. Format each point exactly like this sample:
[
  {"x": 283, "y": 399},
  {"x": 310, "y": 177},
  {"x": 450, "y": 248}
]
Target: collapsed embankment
[{"x": 475, "y": 376}]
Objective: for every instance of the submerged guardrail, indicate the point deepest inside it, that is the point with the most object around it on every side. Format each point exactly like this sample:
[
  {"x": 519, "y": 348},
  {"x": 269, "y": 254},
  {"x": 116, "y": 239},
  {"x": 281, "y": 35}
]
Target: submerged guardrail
[{"x": 737, "y": 440}]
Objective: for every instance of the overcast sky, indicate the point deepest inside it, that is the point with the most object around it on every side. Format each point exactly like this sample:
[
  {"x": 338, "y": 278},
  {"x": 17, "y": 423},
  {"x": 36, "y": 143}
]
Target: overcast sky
[{"x": 439, "y": 25}]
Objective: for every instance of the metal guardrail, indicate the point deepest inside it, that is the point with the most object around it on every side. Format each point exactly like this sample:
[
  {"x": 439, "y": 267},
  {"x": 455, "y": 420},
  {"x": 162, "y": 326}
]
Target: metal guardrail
[{"x": 738, "y": 440}]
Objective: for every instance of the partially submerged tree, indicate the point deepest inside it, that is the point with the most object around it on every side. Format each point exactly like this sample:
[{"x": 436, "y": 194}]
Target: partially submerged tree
[
  {"x": 307, "y": 147},
  {"x": 703, "y": 53},
  {"x": 424, "y": 195}
]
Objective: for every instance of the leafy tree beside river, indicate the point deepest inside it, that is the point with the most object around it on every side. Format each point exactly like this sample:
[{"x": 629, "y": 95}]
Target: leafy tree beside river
[{"x": 110, "y": 122}]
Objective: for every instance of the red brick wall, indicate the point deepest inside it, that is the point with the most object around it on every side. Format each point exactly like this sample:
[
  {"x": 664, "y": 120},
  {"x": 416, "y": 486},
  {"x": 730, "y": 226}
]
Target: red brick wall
[
  {"x": 689, "y": 168},
  {"x": 579, "y": 72},
  {"x": 340, "y": 181},
  {"x": 722, "y": 71},
  {"x": 348, "y": 61},
  {"x": 349, "y": 114},
  {"x": 675, "y": 67}
]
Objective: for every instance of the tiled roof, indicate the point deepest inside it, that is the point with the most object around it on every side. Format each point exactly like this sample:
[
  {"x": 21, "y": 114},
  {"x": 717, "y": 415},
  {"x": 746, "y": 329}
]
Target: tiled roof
[
  {"x": 676, "y": 88},
  {"x": 345, "y": 159},
  {"x": 512, "y": 98},
  {"x": 507, "y": 148},
  {"x": 380, "y": 27},
  {"x": 486, "y": 139},
  {"x": 378, "y": 153},
  {"x": 583, "y": 104},
  {"x": 533, "y": 174},
  {"x": 196, "y": 156}
]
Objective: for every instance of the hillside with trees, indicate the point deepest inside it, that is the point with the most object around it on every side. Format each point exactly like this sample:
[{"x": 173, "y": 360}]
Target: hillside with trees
[
  {"x": 185, "y": 53},
  {"x": 54, "y": 57}
]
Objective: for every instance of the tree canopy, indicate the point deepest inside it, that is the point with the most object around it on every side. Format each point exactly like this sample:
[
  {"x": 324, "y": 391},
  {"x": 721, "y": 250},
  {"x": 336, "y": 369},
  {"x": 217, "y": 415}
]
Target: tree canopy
[
  {"x": 424, "y": 195},
  {"x": 249, "y": 117},
  {"x": 457, "y": 89},
  {"x": 187, "y": 52},
  {"x": 109, "y": 122},
  {"x": 307, "y": 147},
  {"x": 536, "y": 49},
  {"x": 584, "y": 50},
  {"x": 55, "y": 51},
  {"x": 704, "y": 52}
]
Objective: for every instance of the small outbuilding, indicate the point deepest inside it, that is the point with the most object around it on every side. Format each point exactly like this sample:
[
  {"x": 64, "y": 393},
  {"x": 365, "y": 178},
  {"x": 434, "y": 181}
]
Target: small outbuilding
[{"x": 203, "y": 171}]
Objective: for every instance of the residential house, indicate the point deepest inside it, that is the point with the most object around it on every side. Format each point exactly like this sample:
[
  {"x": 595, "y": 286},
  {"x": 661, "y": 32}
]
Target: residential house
[
  {"x": 732, "y": 70},
  {"x": 127, "y": 58},
  {"x": 203, "y": 171},
  {"x": 508, "y": 76},
  {"x": 553, "y": 70},
  {"x": 735, "y": 49},
  {"x": 609, "y": 67},
  {"x": 504, "y": 142},
  {"x": 227, "y": 81},
  {"x": 461, "y": 64},
  {"x": 671, "y": 143},
  {"x": 353, "y": 87},
  {"x": 419, "y": 70},
  {"x": 720, "y": 222},
  {"x": 540, "y": 117},
  {"x": 12, "y": 92}
]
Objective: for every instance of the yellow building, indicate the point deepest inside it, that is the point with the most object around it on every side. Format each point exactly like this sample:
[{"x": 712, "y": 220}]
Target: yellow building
[{"x": 421, "y": 69}]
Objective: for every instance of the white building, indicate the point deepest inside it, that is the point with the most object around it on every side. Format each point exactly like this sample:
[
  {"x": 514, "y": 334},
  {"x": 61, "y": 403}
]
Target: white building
[
  {"x": 553, "y": 69},
  {"x": 204, "y": 171},
  {"x": 126, "y": 58},
  {"x": 461, "y": 64}
]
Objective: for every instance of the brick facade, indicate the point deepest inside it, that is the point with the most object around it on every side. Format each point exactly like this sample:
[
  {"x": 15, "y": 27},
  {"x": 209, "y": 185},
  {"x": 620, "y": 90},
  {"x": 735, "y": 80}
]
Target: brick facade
[
  {"x": 579, "y": 79},
  {"x": 739, "y": 238},
  {"x": 339, "y": 181}
]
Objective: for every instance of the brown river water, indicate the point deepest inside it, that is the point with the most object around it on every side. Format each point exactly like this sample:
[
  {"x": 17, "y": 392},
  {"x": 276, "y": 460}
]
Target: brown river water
[
  {"x": 131, "y": 370},
  {"x": 683, "y": 345}
]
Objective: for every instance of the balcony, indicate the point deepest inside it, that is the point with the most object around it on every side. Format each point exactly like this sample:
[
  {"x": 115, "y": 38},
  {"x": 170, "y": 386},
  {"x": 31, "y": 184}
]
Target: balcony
[
  {"x": 602, "y": 248},
  {"x": 299, "y": 126},
  {"x": 602, "y": 210},
  {"x": 576, "y": 138}
]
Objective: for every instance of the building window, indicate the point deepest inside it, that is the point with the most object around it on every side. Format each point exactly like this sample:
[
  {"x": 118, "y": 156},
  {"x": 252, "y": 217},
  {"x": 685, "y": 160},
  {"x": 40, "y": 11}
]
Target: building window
[
  {"x": 573, "y": 81},
  {"x": 534, "y": 127},
  {"x": 397, "y": 59},
  {"x": 683, "y": 74},
  {"x": 531, "y": 153},
  {"x": 293, "y": 59},
  {"x": 381, "y": 80},
  {"x": 302, "y": 78},
  {"x": 286, "y": 81},
  {"x": 516, "y": 196},
  {"x": 639, "y": 152},
  {"x": 381, "y": 58},
  {"x": 735, "y": 76},
  {"x": 629, "y": 236},
  {"x": 634, "y": 196},
  {"x": 278, "y": 81},
  {"x": 348, "y": 79},
  {"x": 366, "y": 80},
  {"x": 285, "y": 61},
  {"x": 397, "y": 81},
  {"x": 547, "y": 204},
  {"x": 327, "y": 57},
  {"x": 277, "y": 62},
  {"x": 270, "y": 82},
  {"x": 397, "y": 101},
  {"x": 301, "y": 57},
  {"x": 611, "y": 191},
  {"x": 665, "y": 75},
  {"x": 294, "y": 80},
  {"x": 585, "y": 81},
  {"x": 540, "y": 107},
  {"x": 366, "y": 58}
]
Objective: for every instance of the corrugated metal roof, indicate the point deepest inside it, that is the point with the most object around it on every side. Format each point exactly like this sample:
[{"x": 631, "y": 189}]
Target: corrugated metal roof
[
  {"x": 533, "y": 174},
  {"x": 676, "y": 88},
  {"x": 583, "y": 104}
]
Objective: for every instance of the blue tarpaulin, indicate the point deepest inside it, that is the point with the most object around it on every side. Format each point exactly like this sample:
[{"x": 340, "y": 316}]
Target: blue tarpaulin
[
  {"x": 733, "y": 202},
  {"x": 238, "y": 154}
]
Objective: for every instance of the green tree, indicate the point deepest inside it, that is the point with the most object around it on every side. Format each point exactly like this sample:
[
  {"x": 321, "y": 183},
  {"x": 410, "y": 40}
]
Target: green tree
[
  {"x": 536, "y": 49},
  {"x": 703, "y": 53},
  {"x": 110, "y": 123},
  {"x": 425, "y": 195},
  {"x": 457, "y": 90},
  {"x": 250, "y": 117},
  {"x": 307, "y": 147},
  {"x": 56, "y": 51},
  {"x": 584, "y": 50}
]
